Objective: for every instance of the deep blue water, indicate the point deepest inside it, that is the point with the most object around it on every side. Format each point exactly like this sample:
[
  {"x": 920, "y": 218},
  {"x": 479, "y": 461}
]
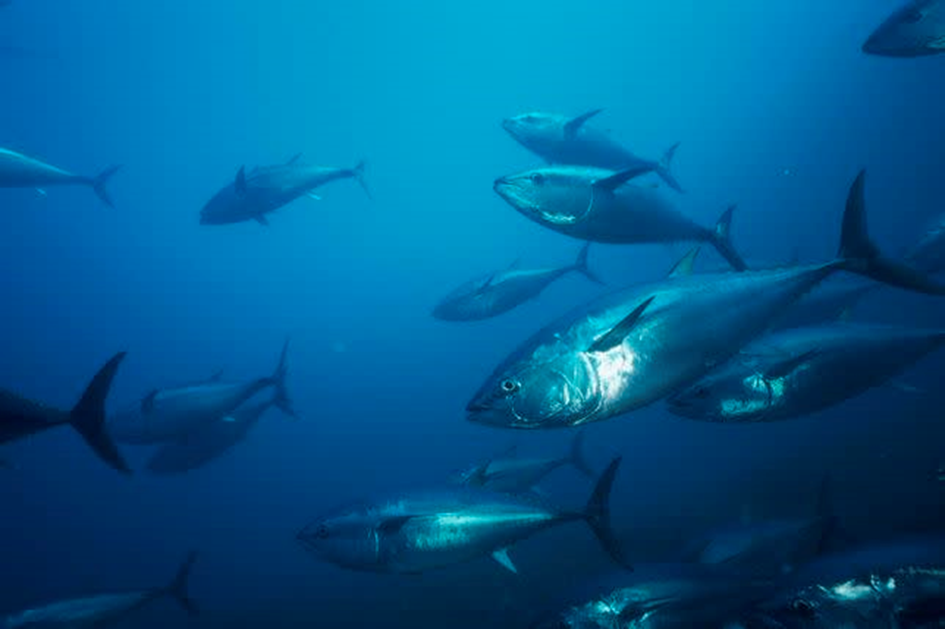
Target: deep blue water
[{"x": 183, "y": 94}]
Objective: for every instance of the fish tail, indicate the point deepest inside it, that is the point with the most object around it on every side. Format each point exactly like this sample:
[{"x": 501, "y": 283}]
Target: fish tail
[
  {"x": 597, "y": 514},
  {"x": 281, "y": 398},
  {"x": 177, "y": 589},
  {"x": 664, "y": 168},
  {"x": 577, "y": 458},
  {"x": 721, "y": 238},
  {"x": 88, "y": 416},
  {"x": 582, "y": 267},
  {"x": 99, "y": 183},
  {"x": 358, "y": 172},
  {"x": 859, "y": 254}
]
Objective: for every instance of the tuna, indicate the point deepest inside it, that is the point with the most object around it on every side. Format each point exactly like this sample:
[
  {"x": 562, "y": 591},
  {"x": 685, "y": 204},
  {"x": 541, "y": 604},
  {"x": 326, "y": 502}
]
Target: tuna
[
  {"x": 514, "y": 475},
  {"x": 175, "y": 414},
  {"x": 572, "y": 141},
  {"x": 630, "y": 349},
  {"x": 420, "y": 532},
  {"x": 604, "y": 206},
  {"x": 798, "y": 372},
  {"x": 21, "y": 417},
  {"x": 915, "y": 30},
  {"x": 202, "y": 447},
  {"x": 103, "y": 610},
  {"x": 20, "y": 171},
  {"x": 501, "y": 291},
  {"x": 253, "y": 195}
]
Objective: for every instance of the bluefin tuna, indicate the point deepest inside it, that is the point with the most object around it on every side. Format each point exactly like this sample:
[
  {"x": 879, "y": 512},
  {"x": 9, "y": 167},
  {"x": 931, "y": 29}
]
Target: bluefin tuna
[
  {"x": 604, "y": 206},
  {"x": 205, "y": 445},
  {"x": 830, "y": 302},
  {"x": 253, "y": 195},
  {"x": 518, "y": 475},
  {"x": 668, "y": 597},
  {"x": 419, "y": 532},
  {"x": 915, "y": 30},
  {"x": 630, "y": 349},
  {"x": 103, "y": 610},
  {"x": 565, "y": 140},
  {"x": 19, "y": 171},
  {"x": 501, "y": 291},
  {"x": 172, "y": 415},
  {"x": 798, "y": 372},
  {"x": 21, "y": 417}
]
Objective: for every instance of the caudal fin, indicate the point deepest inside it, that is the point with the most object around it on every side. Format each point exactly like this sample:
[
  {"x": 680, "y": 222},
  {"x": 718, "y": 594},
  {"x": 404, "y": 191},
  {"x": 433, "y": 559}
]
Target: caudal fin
[
  {"x": 664, "y": 168},
  {"x": 582, "y": 267},
  {"x": 100, "y": 182},
  {"x": 281, "y": 398},
  {"x": 577, "y": 458},
  {"x": 358, "y": 171},
  {"x": 88, "y": 416},
  {"x": 597, "y": 514},
  {"x": 178, "y": 587},
  {"x": 859, "y": 254},
  {"x": 722, "y": 241}
]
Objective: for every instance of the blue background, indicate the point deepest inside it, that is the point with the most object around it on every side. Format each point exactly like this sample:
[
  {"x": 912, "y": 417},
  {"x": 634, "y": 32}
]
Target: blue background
[{"x": 776, "y": 109}]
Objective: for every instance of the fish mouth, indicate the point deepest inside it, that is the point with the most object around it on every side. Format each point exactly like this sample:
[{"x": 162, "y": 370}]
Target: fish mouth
[{"x": 509, "y": 125}]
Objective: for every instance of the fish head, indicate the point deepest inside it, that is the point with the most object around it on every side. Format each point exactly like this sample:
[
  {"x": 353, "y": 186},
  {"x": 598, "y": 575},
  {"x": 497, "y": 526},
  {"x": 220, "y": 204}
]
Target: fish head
[
  {"x": 728, "y": 396},
  {"x": 914, "y": 30},
  {"x": 537, "y": 392},
  {"x": 349, "y": 540},
  {"x": 554, "y": 196},
  {"x": 534, "y": 129}
]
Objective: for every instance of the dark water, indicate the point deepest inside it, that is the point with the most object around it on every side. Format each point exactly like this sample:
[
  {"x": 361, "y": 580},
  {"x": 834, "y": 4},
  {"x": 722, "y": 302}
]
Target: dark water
[{"x": 776, "y": 109}]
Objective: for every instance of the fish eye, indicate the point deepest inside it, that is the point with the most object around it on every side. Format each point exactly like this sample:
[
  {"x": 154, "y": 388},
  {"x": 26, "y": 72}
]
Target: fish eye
[
  {"x": 509, "y": 386},
  {"x": 322, "y": 532},
  {"x": 537, "y": 178},
  {"x": 701, "y": 392},
  {"x": 803, "y": 608}
]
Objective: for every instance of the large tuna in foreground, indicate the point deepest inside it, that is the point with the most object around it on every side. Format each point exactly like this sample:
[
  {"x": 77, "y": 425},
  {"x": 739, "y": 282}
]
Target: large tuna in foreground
[{"x": 632, "y": 348}]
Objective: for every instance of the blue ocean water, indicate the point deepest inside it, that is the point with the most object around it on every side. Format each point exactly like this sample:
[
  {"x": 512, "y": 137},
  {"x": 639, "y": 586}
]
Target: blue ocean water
[{"x": 774, "y": 104}]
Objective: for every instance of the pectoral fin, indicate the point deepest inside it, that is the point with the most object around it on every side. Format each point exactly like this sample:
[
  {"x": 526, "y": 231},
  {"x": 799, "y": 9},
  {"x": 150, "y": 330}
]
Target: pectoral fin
[
  {"x": 40, "y": 192},
  {"x": 261, "y": 219},
  {"x": 478, "y": 475},
  {"x": 620, "y": 178},
  {"x": 619, "y": 332},
  {"x": 313, "y": 196},
  {"x": 502, "y": 558},
  {"x": 785, "y": 367},
  {"x": 294, "y": 159},
  {"x": 228, "y": 419},
  {"x": 392, "y": 526},
  {"x": 574, "y": 125}
]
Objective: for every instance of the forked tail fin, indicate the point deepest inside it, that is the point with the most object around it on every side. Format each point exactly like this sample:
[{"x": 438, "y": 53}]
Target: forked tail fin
[
  {"x": 722, "y": 240},
  {"x": 177, "y": 589},
  {"x": 99, "y": 183},
  {"x": 88, "y": 416},
  {"x": 597, "y": 514},
  {"x": 664, "y": 168}
]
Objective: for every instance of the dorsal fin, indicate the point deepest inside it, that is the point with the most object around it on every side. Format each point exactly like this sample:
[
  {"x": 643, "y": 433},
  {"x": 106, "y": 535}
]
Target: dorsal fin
[
  {"x": 616, "y": 335},
  {"x": 294, "y": 159},
  {"x": 147, "y": 404},
  {"x": 618, "y": 179},
  {"x": 573, "y": 126},
  {"x": 240, "y": 184},
  {"x": 686, "y": 264}
]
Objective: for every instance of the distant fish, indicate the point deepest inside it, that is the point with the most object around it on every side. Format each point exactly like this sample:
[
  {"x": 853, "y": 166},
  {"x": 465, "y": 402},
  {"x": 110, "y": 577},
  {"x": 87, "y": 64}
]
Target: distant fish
[
  {"x": 501, "y": 291},
  {"x": 415, "y": 533},
  {"x": 104, "y": 610},
  {"x": 915, "y": 30},
  {"x": 20, "y": 171},
  {"x": 571, "y": 141},
  {"x": 797, "y": 372},
  {"x": 208, "y": 443},
  {"x": 263, "y": 190},
  {"x": 604, "y": 206},
  {"x": 21, "y": 417},
  {"x": 514, "y": 475},
  {"x": 175, "y": 414},
  {"x": 929, "y": 253},
  {"x": 631, "y": 348}
]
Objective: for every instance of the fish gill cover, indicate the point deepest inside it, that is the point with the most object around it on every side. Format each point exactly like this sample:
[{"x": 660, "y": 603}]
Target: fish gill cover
[{"x": 194, "y": 183}]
